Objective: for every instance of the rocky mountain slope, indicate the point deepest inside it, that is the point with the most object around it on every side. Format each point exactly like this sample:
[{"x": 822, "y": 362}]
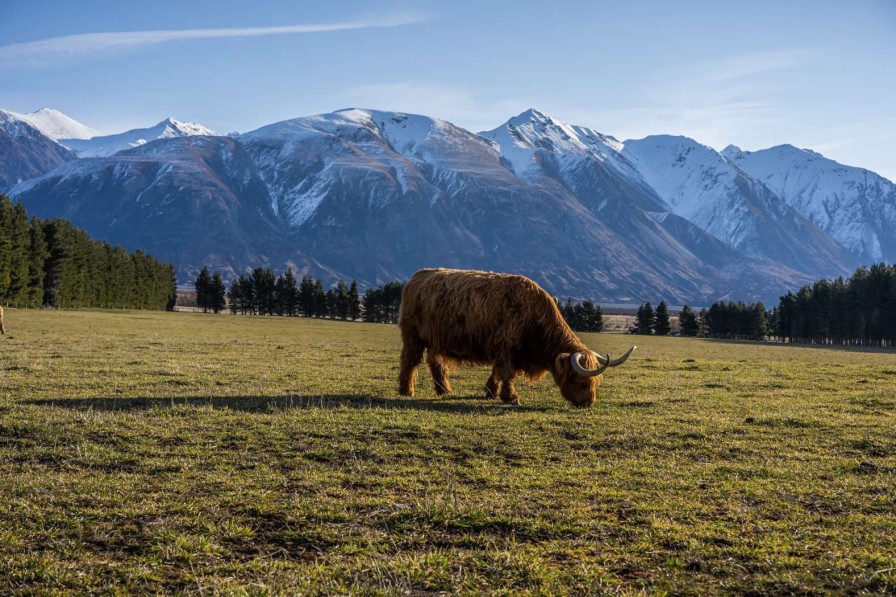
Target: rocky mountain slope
[
  {"x": 25, "y": 152},
  {"x": 700, "y": 185},
  {"x": 375, "y": 195},
  {"x": 856, "y": 207},
  {"x": 192, "y": 201}
]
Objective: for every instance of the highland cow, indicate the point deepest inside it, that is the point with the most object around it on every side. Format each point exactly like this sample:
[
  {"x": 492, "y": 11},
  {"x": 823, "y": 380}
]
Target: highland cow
[
  {"x": 2, "y": 329},
  {"x": 507, "y": 321}
]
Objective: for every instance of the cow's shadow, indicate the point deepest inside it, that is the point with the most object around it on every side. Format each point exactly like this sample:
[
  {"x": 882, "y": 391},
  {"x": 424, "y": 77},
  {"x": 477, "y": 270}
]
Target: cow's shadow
[{"x": 261, "y": 404}]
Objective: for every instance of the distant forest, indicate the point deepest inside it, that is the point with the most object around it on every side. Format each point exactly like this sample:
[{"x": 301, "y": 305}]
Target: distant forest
[
  {"x": 52, "y": 263},
  {"x": 859, "y": 310},
  {"x": 265, "y": 293}
]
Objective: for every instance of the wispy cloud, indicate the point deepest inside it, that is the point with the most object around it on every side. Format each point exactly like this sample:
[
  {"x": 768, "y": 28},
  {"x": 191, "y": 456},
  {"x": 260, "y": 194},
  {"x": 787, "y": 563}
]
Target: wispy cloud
[
  {"x": 732, "y": 100},
  {"x": 754, "y": 64},
  {"x": 87, "y": 46},
  {"x": 717, "y": 101}
]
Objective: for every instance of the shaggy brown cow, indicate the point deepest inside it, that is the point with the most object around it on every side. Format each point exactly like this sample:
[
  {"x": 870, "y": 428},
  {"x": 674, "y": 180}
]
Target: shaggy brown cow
[
  {"x": 502, "y": 320},
  {"x": 2, "y": 329}
]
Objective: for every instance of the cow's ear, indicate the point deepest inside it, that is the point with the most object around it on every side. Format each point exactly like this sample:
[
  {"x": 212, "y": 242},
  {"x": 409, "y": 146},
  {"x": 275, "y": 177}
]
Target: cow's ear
[{"x": 561, "y": 363}]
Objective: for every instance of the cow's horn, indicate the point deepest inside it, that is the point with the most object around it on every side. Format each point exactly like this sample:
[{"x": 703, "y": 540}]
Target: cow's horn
[
  {"x": 616, "y": 362},
  {"x": 577, "y": 367}
]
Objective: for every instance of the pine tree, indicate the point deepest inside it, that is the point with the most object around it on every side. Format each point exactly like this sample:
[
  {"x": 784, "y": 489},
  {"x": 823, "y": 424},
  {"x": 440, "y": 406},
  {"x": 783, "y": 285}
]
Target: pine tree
[
  {"x": 37, "y": 256},
  {"x": 354, "y": 302},
  {"x": 687, "y": 322},
  {"x": 6, "y": 219},
  {"x": 392, "y": 300},
  {"x": 288, "y": 293},
  {"x": 234, "y": 297},
  {"x": 217, "y": 298},
  {"x": 320, "y": 299},
  {"x": 17, "y": 293},
  {"x": 331, "y": 304},
  {"x": 306, "y": 296},
  {"x": 341, "y": 300},
  {"x": 645, "y": 319},
  {"x": 568, "y": 311},
  {"x": 661, "y": 325},
  {"x": 370, "y": 305},
  {"x": 589, "y": 317},
  {"x": 203, "y": 289},
  {"x": 263, "y": 290}
]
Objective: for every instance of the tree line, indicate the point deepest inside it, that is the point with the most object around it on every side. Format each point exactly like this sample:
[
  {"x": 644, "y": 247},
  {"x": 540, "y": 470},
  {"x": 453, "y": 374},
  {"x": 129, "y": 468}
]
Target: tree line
[
  {"x": 860, "y": 310},
  {"x": 582, "y": 317},
  {"x": 52, "y": 263},
  {"x": 654, "y": 321},
  {"x": 722, "y": 320},
  {"x": 264, "y": 293}
]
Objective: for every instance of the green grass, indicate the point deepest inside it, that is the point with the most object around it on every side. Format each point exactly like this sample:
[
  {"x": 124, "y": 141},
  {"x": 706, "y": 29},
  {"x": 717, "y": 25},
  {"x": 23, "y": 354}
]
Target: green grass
[{"x": 171, "y": 452}]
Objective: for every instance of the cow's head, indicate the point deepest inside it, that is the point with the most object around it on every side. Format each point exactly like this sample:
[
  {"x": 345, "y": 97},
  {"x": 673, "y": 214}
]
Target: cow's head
[{"x": 579, "y": 374}]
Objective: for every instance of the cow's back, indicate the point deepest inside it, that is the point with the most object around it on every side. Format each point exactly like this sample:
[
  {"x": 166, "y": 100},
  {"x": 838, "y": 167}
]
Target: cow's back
[{"x": 471, "y": 315}]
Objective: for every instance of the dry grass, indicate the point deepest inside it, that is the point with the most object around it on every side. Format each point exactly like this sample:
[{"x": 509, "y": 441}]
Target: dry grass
[{"x": 179, "y": 452}]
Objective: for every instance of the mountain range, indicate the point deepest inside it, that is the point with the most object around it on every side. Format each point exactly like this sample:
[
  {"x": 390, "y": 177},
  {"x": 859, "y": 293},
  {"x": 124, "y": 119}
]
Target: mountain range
[{"x": 375, "y": 195}]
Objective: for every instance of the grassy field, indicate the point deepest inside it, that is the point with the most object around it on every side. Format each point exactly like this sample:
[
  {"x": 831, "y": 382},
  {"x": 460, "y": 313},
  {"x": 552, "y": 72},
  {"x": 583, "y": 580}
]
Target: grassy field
[{"x": 178, "y": 452}]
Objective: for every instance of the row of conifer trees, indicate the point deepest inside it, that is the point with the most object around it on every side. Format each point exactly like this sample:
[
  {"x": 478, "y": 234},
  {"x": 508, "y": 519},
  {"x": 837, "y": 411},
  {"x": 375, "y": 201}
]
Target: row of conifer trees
[
  {"x": 52, "y": 263},
  {"x": 264, "y": 293},
  {"x": 582, "y": 317},
  {"x": 722, "y": 320},
  {"x": 859, "y": 310}
]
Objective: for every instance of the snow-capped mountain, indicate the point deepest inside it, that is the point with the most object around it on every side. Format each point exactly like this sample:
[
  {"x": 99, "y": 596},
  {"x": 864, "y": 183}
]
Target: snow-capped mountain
[
  {"x": 853, "y": 205},
  {"x": 106, "y": 145},
  {"x": 375, "y": 195},
  {"x": 700, "y": 185},
  {"x": 56, "y": 125},
  {"x": 192, "y": 201},
  {"x": 25, "y": 152},
  {"x": 525, "y": 140}
]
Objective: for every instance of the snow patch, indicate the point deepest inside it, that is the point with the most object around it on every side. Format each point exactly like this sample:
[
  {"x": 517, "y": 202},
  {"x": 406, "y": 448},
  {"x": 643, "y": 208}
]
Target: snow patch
[
  {"x": 106, "y": 145},
  {"x": 56, "y": 125}
]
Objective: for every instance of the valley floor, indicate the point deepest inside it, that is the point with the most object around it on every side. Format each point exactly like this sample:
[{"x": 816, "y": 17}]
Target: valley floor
[{"x": 182, "y": 452}]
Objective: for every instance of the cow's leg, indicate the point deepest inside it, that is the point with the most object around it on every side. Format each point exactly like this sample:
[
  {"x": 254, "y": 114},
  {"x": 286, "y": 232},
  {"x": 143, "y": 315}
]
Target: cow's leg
[
  {"x": 439, "y": 369},
  {"x": 506, "y": 374},
  {"x": 492, "y": 386},
  {"x": 411, "y": 355}
]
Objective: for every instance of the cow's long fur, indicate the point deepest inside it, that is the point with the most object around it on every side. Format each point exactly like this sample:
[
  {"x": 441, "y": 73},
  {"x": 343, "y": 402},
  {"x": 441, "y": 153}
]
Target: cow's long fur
[{"x": 507, "y": 321}]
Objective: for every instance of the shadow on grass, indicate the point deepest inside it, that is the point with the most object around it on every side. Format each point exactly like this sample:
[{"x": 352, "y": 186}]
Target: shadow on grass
[{"x": 464, "y": 404}]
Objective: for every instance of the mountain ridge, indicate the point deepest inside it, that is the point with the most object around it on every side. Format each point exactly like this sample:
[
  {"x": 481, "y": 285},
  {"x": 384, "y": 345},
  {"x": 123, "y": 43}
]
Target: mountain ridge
[{"x": 372, "y": 195}]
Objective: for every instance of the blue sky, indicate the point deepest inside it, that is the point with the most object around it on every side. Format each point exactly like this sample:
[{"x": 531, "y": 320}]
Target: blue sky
[{"x": 817, "y": 74}]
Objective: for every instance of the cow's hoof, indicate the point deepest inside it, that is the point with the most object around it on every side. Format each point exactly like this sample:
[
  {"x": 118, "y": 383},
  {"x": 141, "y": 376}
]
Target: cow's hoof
[{"x": 511, "y": 400}]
